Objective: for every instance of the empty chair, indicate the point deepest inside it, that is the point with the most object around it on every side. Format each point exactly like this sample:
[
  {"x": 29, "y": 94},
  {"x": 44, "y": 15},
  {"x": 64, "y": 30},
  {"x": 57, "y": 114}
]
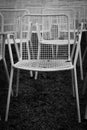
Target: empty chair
[{"x": 45, "y": 61}]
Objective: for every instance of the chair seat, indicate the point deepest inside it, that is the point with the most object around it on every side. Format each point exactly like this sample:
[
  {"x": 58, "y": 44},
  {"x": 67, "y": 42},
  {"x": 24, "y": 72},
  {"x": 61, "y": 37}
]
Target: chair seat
[{"x": 44, "y": 65}]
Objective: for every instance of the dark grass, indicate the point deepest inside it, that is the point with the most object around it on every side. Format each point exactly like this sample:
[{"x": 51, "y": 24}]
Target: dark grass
[{"x": 43, "y": 104}]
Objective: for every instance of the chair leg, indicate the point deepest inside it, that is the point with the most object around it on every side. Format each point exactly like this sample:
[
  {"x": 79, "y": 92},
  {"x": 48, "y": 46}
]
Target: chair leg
[
  {"x": 73, "y": 83},
  {"x": 36, "y": 74},
  {"x": 86, "y": 113},
  {"x": 84, "y": 54},
  {"x": 81, "y": 67},
  {"x": 9, "y": 94},
  {"x": 77, "y": 96},
  {"x": 85, "y": 85},
  {"x": 31, "y": 74},
  {"x": 38, "y": 56},
  {"x": 6, "y": 69},
  {"x": 18, "y": 73}
]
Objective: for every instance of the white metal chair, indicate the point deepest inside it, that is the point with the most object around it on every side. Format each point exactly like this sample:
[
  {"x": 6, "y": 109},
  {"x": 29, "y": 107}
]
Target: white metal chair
[
  {"x": 45, "y": 62},
  {"x": 2, "y": 45}
]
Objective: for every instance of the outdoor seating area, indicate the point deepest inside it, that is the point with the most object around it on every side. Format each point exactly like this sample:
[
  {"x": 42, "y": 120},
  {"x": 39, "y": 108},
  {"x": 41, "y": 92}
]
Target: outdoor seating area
[{"x": 44, "y": 77}]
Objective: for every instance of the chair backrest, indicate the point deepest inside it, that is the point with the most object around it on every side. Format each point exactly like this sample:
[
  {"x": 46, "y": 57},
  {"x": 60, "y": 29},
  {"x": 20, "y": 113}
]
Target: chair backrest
[
  {"x": 47, "y": 51},
  {"x": 11, "y": 21},
  {"x": 79, "y": 14},
  {"x": 55, "y": 26},
  {"x": 78, "y": 11},
  {"x": 65, "y": 10}
]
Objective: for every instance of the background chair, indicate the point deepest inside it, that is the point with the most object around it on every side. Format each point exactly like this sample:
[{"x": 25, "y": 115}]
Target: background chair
[{"x": 55, "y": 29}]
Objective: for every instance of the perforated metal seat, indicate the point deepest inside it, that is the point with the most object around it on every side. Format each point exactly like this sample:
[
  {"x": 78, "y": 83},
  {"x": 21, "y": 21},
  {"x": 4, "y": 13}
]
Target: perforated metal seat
[{"x": 44, "y": 65}]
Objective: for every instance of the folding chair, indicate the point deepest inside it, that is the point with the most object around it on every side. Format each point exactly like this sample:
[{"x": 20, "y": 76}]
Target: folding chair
[
  {"x": 2, "y": 46},
  {"x": 45, "y": 62}
]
